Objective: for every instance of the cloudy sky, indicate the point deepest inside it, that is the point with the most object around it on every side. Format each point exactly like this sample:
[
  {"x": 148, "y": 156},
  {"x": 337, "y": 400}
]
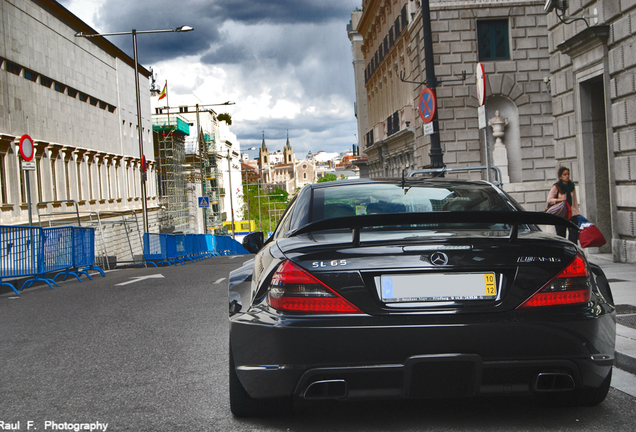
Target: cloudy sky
[{"x": 286, "y": 63}]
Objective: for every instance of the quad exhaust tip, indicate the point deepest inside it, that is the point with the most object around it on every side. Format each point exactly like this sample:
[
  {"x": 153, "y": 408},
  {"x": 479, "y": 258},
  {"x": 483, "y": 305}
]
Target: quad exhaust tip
[
  {"x": 553, "y": 382},
  {"x": 326, "y": 389}
]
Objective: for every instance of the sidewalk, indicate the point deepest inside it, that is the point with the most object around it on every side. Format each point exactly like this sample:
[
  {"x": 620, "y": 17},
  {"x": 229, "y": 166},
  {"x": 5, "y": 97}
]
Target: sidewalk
[{"x": 622, "y": 280}]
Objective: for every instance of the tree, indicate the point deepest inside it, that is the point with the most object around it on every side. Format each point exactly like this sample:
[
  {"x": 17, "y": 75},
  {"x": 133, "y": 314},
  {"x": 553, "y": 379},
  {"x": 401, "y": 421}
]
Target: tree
[
  {"x": 226, "y": 117},
  {"x": 327, "y": 177}
]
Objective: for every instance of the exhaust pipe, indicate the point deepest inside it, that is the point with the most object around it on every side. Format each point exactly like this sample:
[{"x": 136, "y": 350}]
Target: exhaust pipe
[
  {"x": 327, "y": 389},
  {"x": 553, "y": 382}
]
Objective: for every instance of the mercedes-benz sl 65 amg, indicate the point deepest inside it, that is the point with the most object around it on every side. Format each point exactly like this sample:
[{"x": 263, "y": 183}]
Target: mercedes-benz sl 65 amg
[{"x": 416, "y": 288}]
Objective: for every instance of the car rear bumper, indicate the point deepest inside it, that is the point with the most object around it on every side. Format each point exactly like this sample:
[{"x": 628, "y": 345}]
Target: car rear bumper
[{"x": 349, "y": 358}]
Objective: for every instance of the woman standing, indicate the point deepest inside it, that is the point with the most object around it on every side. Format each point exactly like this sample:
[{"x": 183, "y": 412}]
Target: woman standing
[{"x": 561, "y": 191}]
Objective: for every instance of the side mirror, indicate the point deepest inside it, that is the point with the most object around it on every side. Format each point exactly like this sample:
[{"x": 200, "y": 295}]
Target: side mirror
[{"x": 253, "y": 242}]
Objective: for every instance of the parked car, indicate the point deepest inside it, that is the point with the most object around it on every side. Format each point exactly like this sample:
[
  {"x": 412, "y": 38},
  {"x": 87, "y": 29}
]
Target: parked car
[{"x": 416, "y": 288}]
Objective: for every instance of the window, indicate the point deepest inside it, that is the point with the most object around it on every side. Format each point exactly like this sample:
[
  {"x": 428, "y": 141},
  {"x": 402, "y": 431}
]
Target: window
[
  {"x": 71, "y": 92},
  {"x": 38, "y": 175},
  {"x": 54, "y": 179},
  {"x": 30, "y": 75},
  {"x": 46, "y": 82},
  {"x": 90, "y": 181},
  {"x": 83, "y": 97},
  {"x": 59, "y": 87},
  {"x": 93, "y": 101},
  {"x": 13, "y": 68},
  {"x": 79, "y": 178},
  {"x": 3, "y": 180},
  {"x": 492, "y": 40},
  {"x": 67, "y": 177},
  {"x": 23, "y": 189}
]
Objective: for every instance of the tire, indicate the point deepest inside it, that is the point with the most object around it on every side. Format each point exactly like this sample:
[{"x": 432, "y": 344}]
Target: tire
[
  {"x": 243, "y": 405},
  {"x": 579, "y": 397}
]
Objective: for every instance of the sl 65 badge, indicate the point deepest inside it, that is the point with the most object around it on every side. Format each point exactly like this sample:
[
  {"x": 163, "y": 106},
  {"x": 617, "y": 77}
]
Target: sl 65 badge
[{"x": 334, "y": 263}]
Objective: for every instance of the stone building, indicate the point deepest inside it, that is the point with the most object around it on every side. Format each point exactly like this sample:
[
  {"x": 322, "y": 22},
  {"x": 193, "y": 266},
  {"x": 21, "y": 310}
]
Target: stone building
[
  {"x": 508, "y": 37},
  {"x": 289, "y": 175},
  {"x": 75, "y": 97},
  {"x": 593, "y": 67},
  {"x": 559, "y": 91}
]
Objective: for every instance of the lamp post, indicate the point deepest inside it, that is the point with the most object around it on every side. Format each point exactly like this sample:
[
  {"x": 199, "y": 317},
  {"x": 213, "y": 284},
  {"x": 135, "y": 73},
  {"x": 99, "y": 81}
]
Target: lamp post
[
  {"x": 247, "y": 194},
  {"x": 139, "y": 124}
]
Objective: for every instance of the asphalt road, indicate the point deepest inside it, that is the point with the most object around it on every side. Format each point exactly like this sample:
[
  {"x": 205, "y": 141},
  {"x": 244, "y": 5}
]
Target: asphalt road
[{"x": 142, "y": 353}]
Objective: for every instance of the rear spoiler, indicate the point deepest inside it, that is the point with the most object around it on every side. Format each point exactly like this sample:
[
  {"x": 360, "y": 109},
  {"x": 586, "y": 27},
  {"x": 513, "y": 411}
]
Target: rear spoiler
[{"x": 513, "y": 218}]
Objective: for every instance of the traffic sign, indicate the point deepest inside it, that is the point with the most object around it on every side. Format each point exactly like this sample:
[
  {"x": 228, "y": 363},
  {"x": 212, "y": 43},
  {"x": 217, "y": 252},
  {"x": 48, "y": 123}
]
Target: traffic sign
[
  {"x": 26, "y": 148},
  {"x": 28, "y": 165},
  {"x": 143, "y": 163},
  {"x": 480, "y": 77},
  {"x": 428, "y": 105},
  {"x": 204, "y": 202}
]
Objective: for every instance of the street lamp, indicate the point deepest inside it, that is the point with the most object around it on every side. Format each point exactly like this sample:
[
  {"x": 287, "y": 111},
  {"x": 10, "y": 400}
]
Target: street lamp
[
  {"x": 134, "y": 33},
  {"x": 247, "y": 194}
]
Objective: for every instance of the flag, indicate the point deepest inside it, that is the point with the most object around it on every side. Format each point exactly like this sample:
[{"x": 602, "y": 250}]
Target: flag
[{"x": 164, "y": 92}]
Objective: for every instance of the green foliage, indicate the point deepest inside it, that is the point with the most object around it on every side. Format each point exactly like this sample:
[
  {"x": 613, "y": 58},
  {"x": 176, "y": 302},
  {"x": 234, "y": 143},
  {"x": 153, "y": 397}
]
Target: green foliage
[
  {"x": 327, "y": 177},
  {"x": 265, "y": 208},
  {"x": 226, "y": 117}
]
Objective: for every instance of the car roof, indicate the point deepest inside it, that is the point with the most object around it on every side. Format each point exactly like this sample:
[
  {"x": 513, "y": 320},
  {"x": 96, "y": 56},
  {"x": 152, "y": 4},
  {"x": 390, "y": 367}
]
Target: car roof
[{"x": 396, "y": 180}]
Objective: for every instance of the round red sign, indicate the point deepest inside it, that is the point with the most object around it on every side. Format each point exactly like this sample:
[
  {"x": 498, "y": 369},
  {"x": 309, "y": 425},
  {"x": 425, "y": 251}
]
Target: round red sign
[
  {"x": 27, "y": 150},
  {"x": 480, "y": 77},
  {"x": 427, "y": 104}
]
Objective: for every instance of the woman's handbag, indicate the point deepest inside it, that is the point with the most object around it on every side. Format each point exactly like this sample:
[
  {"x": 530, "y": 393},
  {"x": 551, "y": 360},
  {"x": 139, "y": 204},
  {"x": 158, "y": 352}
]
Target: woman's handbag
[
  {"x": 589, "y": 234},
  {"x": 560, "y": 209}
]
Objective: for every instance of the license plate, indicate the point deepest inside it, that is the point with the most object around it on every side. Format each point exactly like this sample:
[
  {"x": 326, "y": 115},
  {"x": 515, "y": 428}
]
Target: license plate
[{"x": 438, "y": 287}]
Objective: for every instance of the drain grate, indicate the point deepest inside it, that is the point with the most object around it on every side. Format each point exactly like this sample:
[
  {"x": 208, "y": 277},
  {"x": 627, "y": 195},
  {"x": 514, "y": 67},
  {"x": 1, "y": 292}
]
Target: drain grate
[
  {"x": 625, "y": 309},
  {"x": 627, "y": 321}
]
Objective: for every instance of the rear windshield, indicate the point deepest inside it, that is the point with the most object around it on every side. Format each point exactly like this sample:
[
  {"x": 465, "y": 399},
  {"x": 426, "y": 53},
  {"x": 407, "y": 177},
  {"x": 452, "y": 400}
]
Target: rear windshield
[{"x": 352, "y": 200}]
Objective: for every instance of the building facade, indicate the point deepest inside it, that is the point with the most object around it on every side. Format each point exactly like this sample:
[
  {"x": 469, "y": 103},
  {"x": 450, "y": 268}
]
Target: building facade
[
  {"x": 75, "y": 97},
  {"x": 547, "y": 78},
  {"x": 593, "y": 65}
]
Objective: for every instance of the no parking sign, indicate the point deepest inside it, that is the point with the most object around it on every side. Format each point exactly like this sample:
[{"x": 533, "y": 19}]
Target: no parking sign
[{"x": 428, "y": 105}]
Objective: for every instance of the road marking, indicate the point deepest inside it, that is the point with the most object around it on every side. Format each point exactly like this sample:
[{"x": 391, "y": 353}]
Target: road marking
[
  {"x": 624, "y": 381},
  {"x": 218, "y": 281},
  {"x": 140, "y": 278}
]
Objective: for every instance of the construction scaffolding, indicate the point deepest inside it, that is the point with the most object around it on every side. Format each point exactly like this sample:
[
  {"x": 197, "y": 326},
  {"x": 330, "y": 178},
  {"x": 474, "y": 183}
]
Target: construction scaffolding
[
  {"x": 210, "y": 184},
  {"x": 170, "y": 132}
]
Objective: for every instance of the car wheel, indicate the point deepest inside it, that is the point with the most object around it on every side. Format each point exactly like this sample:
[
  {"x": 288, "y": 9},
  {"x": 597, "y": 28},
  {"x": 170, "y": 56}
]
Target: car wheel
[
  {"x": 580, "y": 397},
  {"x": 243, "y": 405}
]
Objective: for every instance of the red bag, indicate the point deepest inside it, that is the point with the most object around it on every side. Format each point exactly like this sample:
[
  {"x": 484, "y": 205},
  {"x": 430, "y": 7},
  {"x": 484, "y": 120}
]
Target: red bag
[{"x": 589, "y": 234}]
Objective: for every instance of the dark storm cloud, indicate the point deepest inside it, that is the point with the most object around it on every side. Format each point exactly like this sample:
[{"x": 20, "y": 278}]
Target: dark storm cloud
[
  {"x": 207, "y": 17},
  {"x": 282, "y": 11}
]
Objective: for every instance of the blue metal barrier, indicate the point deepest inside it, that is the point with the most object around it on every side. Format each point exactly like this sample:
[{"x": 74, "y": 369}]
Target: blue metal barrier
[
  {"x": 83, "y": 254},
  {"x": 84, "y": 250},
  {"x": 18, "y": 252},
  {"x": 55, "y": 254},
  {"x": 155, "y": 249},
  {"x": 35, "y": 251}
]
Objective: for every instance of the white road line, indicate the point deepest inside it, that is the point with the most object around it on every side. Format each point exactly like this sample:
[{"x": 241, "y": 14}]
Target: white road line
[
  {"x": 140, "y": 278},
  {"x": 624, "y": 381},
  {"x": 218, "y": 281}
]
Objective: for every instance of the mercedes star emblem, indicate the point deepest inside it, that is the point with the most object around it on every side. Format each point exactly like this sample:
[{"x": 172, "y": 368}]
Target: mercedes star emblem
[{"x": 439, "y": 259}]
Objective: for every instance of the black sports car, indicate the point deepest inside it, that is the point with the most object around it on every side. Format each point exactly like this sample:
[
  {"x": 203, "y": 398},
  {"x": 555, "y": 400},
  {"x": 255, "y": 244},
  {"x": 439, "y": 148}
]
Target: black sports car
[{"x": 416, "y": 288}]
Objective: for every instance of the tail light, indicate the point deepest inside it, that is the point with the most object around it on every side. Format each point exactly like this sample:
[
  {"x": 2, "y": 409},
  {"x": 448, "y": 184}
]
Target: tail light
[
  {"x": 570, "y": 286},
  {"x": 295, "y": 290}
]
